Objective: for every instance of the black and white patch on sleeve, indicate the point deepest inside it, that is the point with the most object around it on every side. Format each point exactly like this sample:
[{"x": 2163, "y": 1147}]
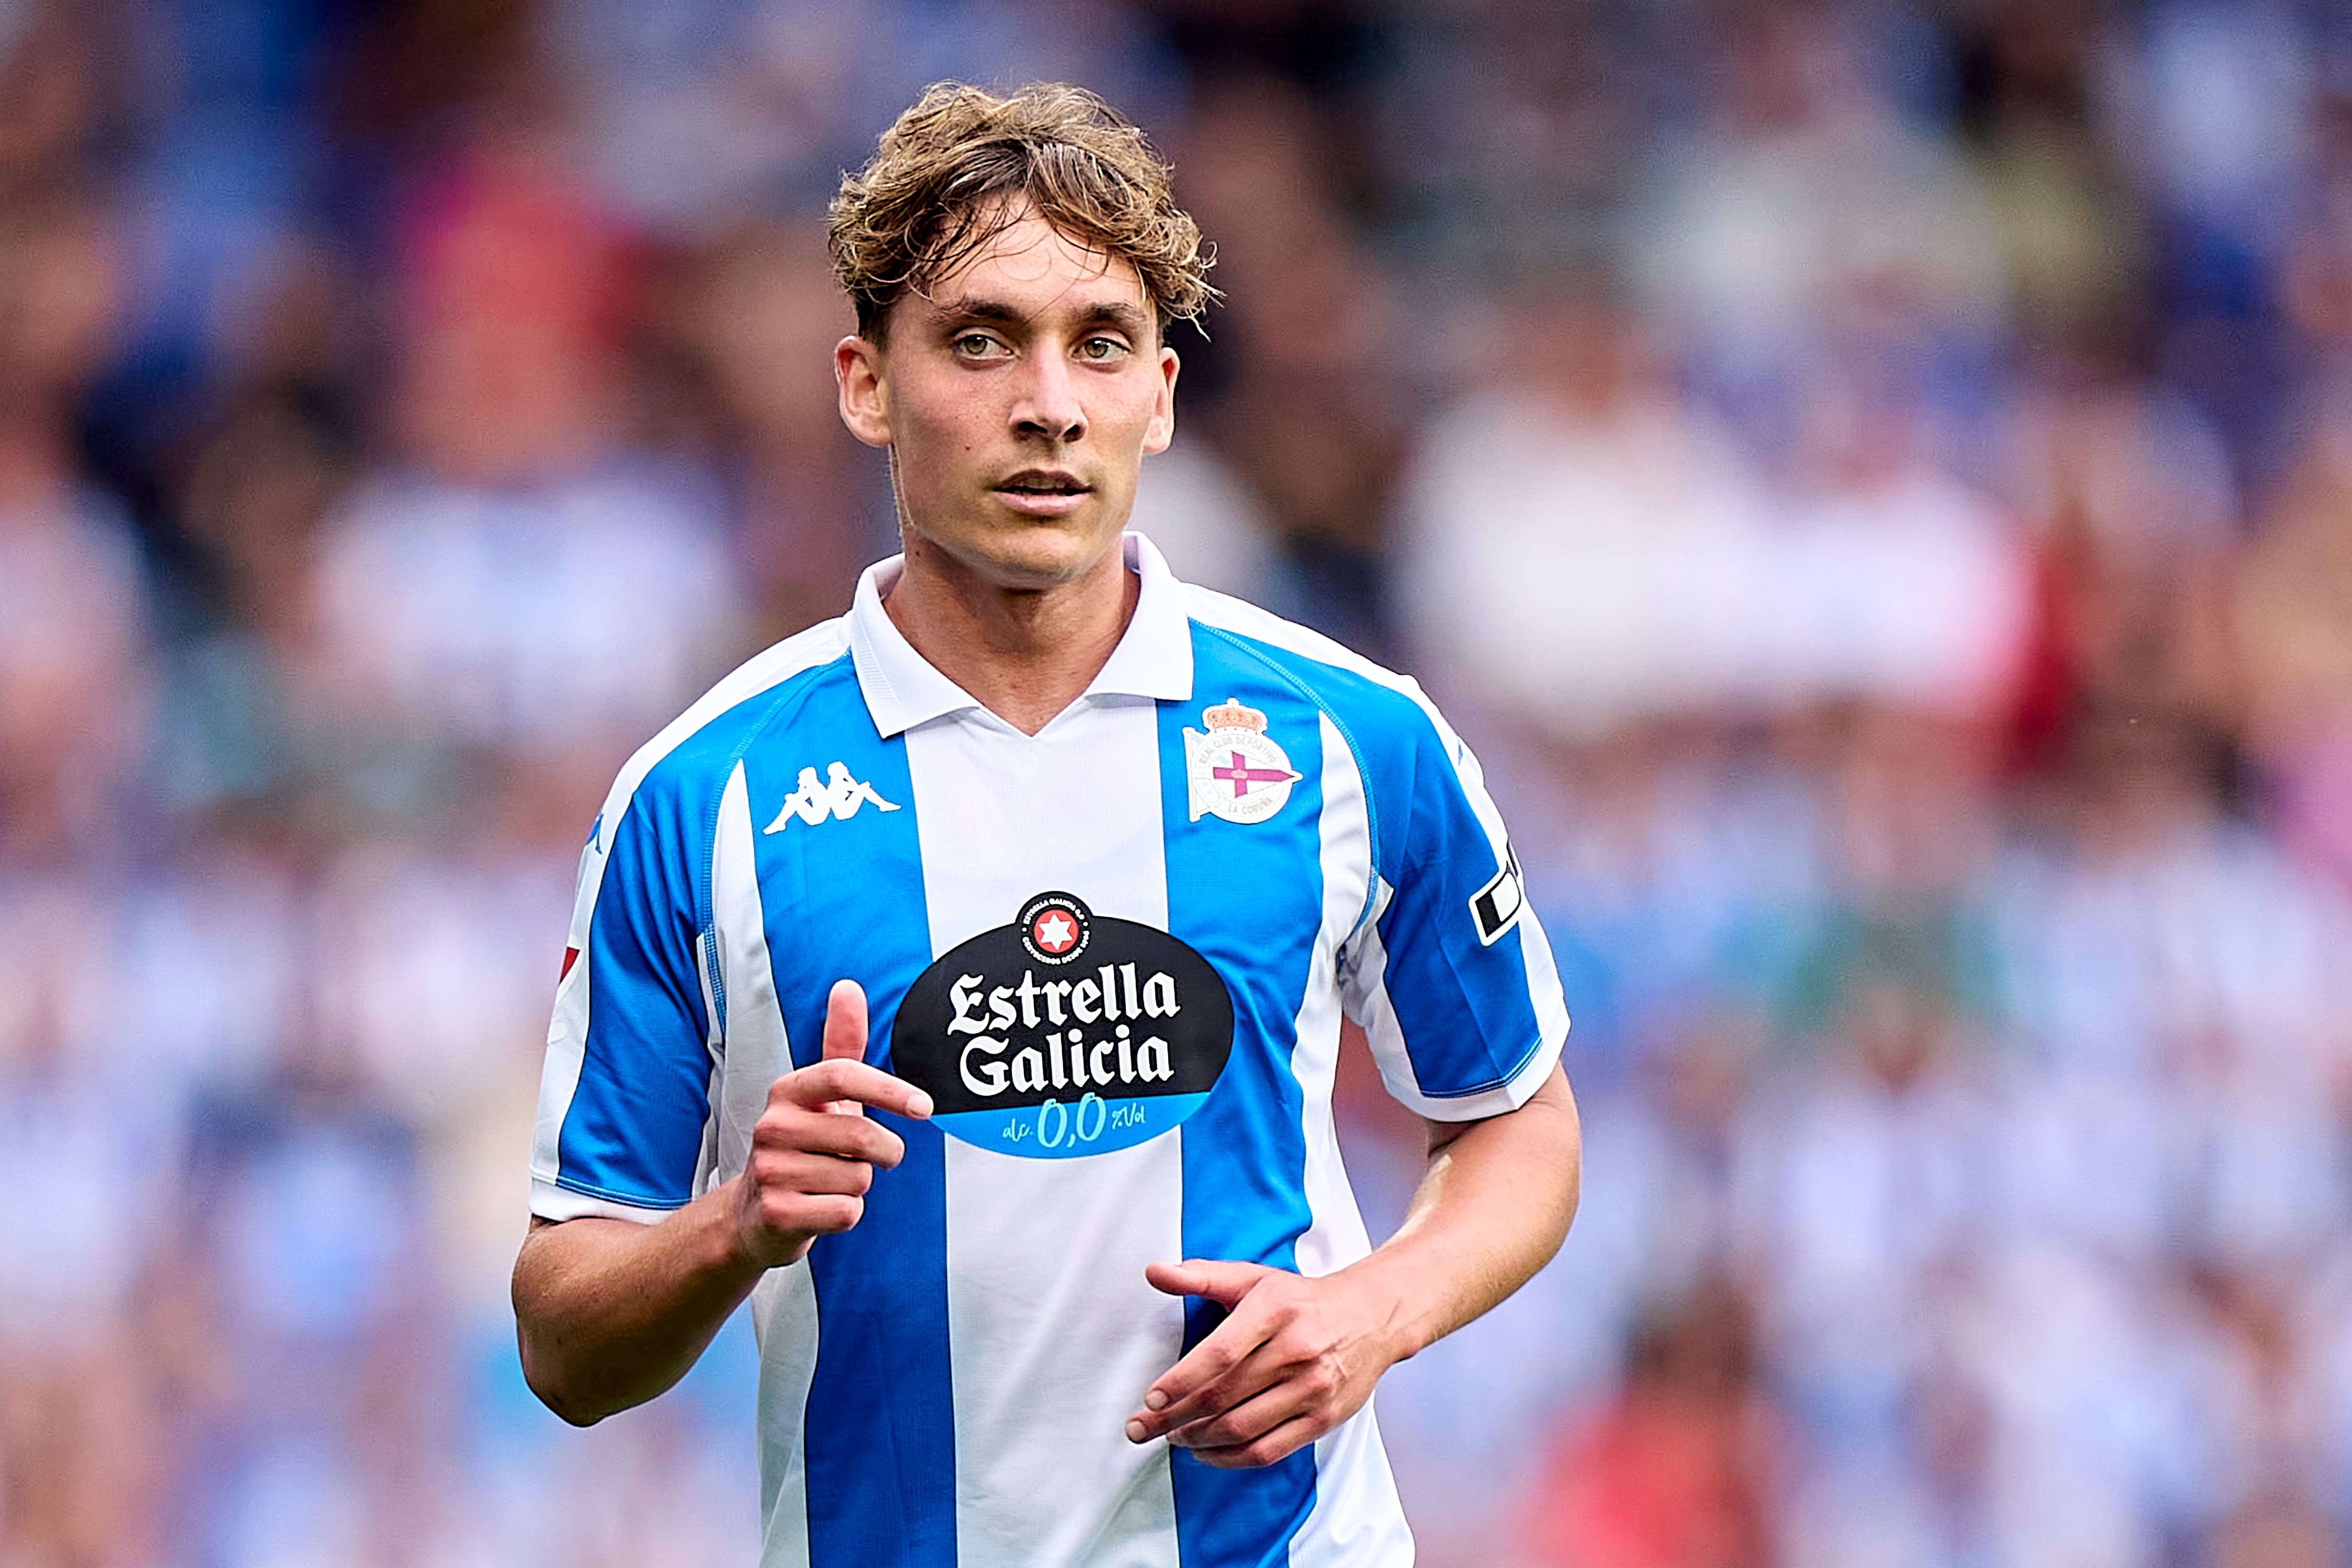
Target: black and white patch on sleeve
[{"x": 1497, "y": 906}]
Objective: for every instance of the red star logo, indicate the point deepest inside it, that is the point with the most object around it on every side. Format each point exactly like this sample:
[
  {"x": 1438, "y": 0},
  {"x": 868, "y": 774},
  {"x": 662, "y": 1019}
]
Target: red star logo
[{"x": 1054, "y": 932}]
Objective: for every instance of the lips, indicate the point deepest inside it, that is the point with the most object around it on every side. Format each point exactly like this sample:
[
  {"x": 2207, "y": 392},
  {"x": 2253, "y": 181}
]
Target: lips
[
  {"x": 1043, "y": 482},
  {"x": 1044, "y": 492}
]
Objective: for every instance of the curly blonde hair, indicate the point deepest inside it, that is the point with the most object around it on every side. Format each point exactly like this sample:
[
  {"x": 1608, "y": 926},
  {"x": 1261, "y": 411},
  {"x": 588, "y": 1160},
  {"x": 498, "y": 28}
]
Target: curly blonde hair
[{"x": 959, "y": 167}]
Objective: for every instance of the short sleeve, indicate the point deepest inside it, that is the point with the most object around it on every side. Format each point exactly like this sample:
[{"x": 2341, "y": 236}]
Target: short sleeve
[
  {"x": 1449, "y": 974},
  {"x": 624, "y": 1097}
]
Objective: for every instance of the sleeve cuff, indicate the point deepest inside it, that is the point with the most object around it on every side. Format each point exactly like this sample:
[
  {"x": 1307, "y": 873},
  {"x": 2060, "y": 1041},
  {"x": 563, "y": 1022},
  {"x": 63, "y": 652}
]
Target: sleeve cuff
[
  {"x": 1506, "y": 1096},
  {"x": 550, "y": 1202}
]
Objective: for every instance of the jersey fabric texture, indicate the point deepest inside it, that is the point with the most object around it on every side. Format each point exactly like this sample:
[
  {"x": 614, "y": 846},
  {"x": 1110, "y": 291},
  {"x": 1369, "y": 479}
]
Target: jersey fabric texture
[{"x": 947, "y": 1383}]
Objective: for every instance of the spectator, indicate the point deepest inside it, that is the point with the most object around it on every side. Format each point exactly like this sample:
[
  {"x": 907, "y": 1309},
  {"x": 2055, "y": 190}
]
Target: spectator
[
  {"x": 1579, "y": 553},
  {"x": 519, "y": 591},
  {"x": 1804, "y": 189},
  {"x": 1678, "y": 1473},
  {"x": 2294, "y": 628},
  {"x": 73, "y": 625},
  {"x": 813, "y": 506}
]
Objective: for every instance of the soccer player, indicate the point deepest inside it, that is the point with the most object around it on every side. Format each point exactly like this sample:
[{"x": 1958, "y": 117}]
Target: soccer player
[{"x": 961, "y": 980}]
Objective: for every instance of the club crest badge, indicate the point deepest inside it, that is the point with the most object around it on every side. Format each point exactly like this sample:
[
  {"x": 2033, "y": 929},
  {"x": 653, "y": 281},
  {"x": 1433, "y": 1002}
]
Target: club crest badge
[{"x": 1236, "y": 771}]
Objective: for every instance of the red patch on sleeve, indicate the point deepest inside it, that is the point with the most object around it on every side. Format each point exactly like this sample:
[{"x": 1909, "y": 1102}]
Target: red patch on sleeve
[{"x": 571, "y": 957}]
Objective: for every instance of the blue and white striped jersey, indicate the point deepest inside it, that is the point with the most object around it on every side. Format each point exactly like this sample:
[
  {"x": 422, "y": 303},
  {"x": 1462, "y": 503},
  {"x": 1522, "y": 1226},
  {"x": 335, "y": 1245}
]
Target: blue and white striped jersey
[{"x": 1118, "y": 953}]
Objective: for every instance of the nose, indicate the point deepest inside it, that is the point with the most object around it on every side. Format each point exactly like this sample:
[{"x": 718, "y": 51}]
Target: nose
[{"x": 1047, "y": 403}]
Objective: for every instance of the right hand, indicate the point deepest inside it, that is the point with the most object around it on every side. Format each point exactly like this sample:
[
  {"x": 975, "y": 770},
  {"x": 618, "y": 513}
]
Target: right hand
[{"x": 813, "y": 1149}]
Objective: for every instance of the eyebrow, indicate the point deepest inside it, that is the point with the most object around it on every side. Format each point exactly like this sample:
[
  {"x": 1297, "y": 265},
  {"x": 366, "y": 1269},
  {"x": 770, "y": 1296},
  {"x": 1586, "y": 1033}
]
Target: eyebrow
[{"x": 1112, "y": 313}]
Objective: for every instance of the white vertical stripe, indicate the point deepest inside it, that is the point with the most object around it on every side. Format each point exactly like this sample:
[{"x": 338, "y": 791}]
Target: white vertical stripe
[
  {"x": 1054, "y": 1342},
  {"x": 1336, "y": 1237},
  {"x": 755, "y": 1052},
  {"x": 784, "y": 1315},
  {"x": 1366, "y": 983},
  {"x": 1357, "y": 1520},
  {"x": 714, "y": 1044},
  {"x": 559, "y": 1073},
  {"x": 567, "y": 1029}
]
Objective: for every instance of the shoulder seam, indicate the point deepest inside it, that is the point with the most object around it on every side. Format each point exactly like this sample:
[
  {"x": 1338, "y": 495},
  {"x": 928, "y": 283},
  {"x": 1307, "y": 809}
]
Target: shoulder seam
[
  {"x": 677, "y": 732},
  {"x": 1322, "y": 650}
]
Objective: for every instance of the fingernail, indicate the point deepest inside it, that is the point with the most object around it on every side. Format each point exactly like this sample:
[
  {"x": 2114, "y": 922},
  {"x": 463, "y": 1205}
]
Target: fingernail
[
  {"x": 1137, "y": 1432},
  {"x": 922, "y": 1103},
  {"x": 1155, "y": 1400}
]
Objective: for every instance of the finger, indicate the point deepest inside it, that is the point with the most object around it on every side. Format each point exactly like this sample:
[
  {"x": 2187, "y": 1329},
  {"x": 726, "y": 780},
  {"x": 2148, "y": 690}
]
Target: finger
[
  {"x": 797, "y": 1170},
  {"x": 810, "y": 1214},
  {"x": 1279, "y": 1444},
  {"x": 1288, "y": 1391},
  {"x": 845, "y": 1021},
  {"x": 1221, "y": 1282},
  {"x": 1176, "y": 1398},
  {"x": 838, "y": 1079},
  {"x": 1227, "y": 1284},
  {"x": 1263, "y": 1369},
  {"x": 802, "y": 1131}
]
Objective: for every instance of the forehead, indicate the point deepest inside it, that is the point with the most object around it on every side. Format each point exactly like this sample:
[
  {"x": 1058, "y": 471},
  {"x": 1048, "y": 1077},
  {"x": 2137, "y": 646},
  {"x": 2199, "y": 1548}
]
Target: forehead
[{"x": 1039, "y": 269}]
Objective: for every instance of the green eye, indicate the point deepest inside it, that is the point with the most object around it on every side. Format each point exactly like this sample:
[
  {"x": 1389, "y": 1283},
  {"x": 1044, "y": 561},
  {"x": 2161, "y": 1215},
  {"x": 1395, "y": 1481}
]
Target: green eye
[
  {"x": 1102, "y": 348},
  {"x": 975, "y": 344}
]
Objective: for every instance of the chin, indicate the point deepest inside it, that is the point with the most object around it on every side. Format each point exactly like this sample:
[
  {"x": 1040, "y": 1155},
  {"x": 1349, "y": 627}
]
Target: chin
[
  {"x": 1031, "y": 554},
  {"x": 1039, "y": 568}
]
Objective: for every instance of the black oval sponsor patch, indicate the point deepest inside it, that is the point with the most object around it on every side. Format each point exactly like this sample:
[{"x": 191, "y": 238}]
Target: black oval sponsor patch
[{"x": 1064, "y": 1033}]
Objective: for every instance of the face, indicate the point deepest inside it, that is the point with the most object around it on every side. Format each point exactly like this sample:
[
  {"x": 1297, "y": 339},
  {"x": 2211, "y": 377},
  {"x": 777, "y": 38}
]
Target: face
[{"x": 1018, "y": 401}]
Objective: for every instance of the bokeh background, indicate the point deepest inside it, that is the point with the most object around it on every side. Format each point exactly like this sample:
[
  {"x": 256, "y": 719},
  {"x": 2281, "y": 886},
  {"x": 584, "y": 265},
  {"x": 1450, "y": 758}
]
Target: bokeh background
[{"x": 1873, "y": 481}]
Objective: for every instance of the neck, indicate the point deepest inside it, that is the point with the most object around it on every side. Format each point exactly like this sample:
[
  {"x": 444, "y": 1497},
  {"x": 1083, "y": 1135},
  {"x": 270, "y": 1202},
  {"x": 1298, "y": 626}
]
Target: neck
[{"x": 1026, "y": 654}]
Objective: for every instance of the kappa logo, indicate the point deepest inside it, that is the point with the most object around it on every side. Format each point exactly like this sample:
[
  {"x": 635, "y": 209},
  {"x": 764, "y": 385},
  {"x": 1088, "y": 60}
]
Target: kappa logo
[
  {"x": 839, "y": 798},
  {"x": 1236, "y": 771}
]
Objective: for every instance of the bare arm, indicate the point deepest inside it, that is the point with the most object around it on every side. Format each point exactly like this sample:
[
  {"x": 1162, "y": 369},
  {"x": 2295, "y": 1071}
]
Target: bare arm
[
  {"x": 610, "y": 1312},
  {"x": 1492, "y": 1208},
  {"x": 1298, "y": 1356}
]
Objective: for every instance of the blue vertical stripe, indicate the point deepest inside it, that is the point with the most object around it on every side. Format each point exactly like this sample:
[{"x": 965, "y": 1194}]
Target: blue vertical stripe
[
  {"x": 1249, "y": 898},
  {"x": 845, "y": 899}
]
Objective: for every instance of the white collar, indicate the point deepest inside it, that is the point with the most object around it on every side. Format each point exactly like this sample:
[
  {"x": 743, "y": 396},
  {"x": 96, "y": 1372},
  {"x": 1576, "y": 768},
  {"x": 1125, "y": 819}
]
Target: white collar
[{"x": 902, "y": 689}]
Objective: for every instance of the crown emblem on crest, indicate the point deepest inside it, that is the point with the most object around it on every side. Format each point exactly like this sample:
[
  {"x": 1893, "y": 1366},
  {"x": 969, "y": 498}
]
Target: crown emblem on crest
[{"x": 1232, "y": 715}]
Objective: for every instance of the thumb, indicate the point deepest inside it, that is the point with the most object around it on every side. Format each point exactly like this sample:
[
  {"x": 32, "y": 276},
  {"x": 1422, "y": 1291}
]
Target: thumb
[
  {"x": 845, "y": 1021},
  {"x": 1223, "y": 1283}
]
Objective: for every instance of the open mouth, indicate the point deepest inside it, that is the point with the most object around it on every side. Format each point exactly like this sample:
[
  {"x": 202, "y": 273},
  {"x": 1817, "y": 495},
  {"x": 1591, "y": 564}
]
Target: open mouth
[
  {"x": 1042, "y": 486},
  {"x": 1042, "y": 493}
]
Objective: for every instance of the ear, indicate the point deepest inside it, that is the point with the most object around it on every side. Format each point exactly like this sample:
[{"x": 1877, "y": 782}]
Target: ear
[
  {"x": 859, "y": 371},
  {"x": 1161, "y": 429}
]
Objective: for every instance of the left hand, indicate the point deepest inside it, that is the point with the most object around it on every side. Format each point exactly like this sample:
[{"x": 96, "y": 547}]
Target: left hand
[{"x": 1294, "y": 1358}]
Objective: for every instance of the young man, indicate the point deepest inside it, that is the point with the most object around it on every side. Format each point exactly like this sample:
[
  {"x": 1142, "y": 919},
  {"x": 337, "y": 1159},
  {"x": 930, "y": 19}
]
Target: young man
[{"x": 961, "y": 980}]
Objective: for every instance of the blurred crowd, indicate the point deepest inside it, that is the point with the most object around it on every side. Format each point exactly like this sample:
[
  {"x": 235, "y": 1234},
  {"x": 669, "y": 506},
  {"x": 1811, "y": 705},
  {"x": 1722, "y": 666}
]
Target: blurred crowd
[{"x": 1873, "y": 480}]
